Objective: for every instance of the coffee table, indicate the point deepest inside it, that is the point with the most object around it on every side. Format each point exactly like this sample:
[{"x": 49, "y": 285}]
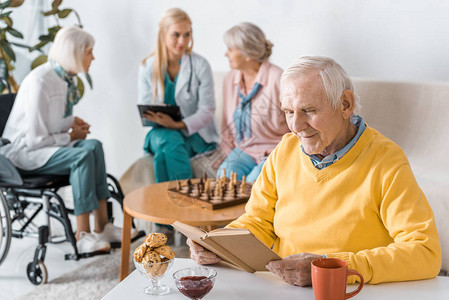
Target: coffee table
[
  {"x": 233, "y": 283},
  {"x": 155, "y": 203}
]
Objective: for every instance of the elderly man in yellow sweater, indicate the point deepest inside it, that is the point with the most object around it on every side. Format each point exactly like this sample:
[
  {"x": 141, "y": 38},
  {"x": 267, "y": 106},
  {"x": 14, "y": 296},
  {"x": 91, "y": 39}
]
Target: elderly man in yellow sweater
[{"x": 336, "y": 187}]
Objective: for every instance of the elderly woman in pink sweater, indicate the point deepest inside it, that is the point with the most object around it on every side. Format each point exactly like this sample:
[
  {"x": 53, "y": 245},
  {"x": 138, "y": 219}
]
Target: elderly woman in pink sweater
[{"x": 253, "y": 123}]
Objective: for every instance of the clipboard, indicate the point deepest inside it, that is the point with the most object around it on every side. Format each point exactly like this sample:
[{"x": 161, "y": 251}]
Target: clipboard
[{"x": 171, "y": 110}]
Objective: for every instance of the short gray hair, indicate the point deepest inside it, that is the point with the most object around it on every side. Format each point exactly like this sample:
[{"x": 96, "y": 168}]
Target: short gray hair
[
  {"x": 250, "y": 40},
  {"x": 69, "y": 46},
  {"x": 334, "y": 78}
]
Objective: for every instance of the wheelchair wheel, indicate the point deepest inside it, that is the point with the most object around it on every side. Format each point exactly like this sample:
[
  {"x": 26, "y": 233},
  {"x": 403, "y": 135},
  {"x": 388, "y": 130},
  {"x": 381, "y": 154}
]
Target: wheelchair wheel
[
  {"x": 5, "y": 228},
  {"x": 38, "y": 277}
]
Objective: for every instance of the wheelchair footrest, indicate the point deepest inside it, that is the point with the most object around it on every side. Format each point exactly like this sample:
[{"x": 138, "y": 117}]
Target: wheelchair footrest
[{"x": 73, "y": 256}]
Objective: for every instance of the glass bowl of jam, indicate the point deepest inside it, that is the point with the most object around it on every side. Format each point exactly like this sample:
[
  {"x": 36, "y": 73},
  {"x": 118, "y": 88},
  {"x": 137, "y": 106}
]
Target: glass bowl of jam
[{"x": 195, "y": 282}]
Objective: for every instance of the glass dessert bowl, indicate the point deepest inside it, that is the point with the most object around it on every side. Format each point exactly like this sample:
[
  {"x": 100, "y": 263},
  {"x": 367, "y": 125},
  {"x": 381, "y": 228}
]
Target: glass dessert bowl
[
  {"x": 154, "y": 272},
  {"x": 195, "y": 282}
]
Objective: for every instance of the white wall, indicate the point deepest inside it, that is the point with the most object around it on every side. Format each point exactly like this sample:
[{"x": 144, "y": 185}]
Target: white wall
[{"x": 397, "y": 40}]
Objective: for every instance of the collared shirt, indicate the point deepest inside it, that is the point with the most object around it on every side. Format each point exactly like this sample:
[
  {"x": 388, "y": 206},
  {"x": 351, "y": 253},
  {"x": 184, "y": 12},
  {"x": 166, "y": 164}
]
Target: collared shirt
[{"x": 330, "y": 159}]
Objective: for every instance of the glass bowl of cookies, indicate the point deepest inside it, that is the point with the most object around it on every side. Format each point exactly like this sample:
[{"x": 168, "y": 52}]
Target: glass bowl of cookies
[{"x": 153, "y": 259}]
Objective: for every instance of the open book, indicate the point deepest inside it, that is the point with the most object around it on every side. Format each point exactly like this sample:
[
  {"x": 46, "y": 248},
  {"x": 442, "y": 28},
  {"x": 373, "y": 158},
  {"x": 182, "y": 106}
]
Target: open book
[{"x": 237, "y": 246}]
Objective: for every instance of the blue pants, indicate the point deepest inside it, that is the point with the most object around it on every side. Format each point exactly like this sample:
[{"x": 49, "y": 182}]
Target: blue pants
[
  {"x": 84, "y": 162},
  {"x": 172, "y": 152},
  {"x": 242, "y": 164}
]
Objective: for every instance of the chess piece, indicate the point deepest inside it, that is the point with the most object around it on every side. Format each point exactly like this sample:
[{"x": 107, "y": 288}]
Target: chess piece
[
  {"x": 178, "y": 185},
  {"x": 243, "y": 186},
  {"x": 234, "y": 177},
  {"x": 207, "y": 187},
  {"x": 231, "y": 181},
  {"x": 217, "y": 189}
]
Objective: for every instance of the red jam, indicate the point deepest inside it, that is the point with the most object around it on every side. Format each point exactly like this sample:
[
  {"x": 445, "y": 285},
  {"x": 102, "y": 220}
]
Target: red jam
[{"x": 195, "y": 287}]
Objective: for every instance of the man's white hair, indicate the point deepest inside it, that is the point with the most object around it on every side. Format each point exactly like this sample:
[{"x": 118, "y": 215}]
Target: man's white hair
[
  {"x": 69, "y": 46},
  {"x": 334, "y": 78}
]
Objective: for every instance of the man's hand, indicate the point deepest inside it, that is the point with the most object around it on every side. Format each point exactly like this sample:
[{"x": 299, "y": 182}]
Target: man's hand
[
  {"x": 294, "y": 269},
  {"x": 200, "y": 255},
  {"x": 163, "y": 120},
  {"x": 80, "y": 129}
]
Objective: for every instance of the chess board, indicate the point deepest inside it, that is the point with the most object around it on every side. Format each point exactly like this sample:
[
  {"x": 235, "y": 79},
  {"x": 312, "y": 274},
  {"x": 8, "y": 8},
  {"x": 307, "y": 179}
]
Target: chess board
[{"x": 216, "y": 197}]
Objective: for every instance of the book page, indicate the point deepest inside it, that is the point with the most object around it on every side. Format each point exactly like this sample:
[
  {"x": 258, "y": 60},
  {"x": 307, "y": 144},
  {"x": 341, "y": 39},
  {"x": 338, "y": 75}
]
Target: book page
[
  {"x": 248, "y": 248},
  {"x": 200, "y": 237},
  {"x": 235, "y": 245},
  {"x": 228, "y": 231}
]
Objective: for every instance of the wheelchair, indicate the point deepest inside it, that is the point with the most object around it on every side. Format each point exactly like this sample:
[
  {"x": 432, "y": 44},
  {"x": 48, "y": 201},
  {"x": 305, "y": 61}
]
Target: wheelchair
[{"x": 23, "y": 198}]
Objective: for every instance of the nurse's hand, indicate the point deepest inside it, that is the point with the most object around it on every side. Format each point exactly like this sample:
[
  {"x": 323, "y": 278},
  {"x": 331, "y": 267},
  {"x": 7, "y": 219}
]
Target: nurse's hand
[
  {"x": 164, "y": 120},
  {"x": 294, "y": 269},
  {"x": 201, "y": 255}
]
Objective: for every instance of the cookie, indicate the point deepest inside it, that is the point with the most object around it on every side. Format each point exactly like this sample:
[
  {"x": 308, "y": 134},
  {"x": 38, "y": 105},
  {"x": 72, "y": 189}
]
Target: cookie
[
  {"x": 155, "y": 239},
  {"x": 139, "y": 253},
  {"x": 151, "y": 257},
  {"x": 163, "y": 268},
  {"x": 152, "y": 269},
  {"x": 165, "y": 251}
]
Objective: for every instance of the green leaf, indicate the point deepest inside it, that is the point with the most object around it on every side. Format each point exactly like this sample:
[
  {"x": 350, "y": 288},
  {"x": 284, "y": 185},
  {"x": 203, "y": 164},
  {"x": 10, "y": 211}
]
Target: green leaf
[
  {"x": 6, "y": 14},
  {"x": 8, "y": 21},
  {"x": 3, "y": 73},
  {"x": 8, "y": 50},
  {"x": 80, "y": 86},
  {"x": 46, "y": 38},
  {"x": 5, "y": 4},
  {"x": 39, "y": 45},
  {"x": 64, "y": 13},
  {"x": 49, "y": 13},
  {"x": 16, "y": 3},
  {"x": 14, "y": 32},
  {"x": 53, "y": 30},
  {"x": 41, "y": 59},
  {"x": 89, "y": 80},
  {"x": 55, "y": 4}
]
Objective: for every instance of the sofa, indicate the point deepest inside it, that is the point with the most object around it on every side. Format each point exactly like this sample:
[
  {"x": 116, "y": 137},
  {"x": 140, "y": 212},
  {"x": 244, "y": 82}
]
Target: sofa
[{"x": 414, "y": 115}]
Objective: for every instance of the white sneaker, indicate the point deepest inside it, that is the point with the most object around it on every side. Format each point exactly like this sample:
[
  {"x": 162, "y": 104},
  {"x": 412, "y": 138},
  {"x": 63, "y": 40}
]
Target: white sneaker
[
  {"x": 88, "y": 243},
  {"x": 113, "y": 234}
]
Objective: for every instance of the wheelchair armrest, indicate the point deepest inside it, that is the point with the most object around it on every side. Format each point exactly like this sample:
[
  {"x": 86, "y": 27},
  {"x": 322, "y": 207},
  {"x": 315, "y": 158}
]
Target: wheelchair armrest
[{"x": 4, "y": 141}]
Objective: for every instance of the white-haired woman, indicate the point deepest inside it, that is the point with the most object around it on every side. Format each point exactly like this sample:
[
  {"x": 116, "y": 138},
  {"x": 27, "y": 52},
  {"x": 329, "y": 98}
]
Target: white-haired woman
[
  {"x": 174, "y": 75},
  {"x": 253, "y": 122},
  {"x": 47, "y": 139}
]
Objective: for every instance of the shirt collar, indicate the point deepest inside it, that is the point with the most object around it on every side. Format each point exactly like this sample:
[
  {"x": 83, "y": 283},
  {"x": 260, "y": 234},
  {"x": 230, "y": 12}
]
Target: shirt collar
[{"x": 359, "y": 122}]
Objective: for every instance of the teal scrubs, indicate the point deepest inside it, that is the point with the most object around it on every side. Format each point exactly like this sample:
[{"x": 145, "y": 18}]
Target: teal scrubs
[{"x": 171, "y": 149}]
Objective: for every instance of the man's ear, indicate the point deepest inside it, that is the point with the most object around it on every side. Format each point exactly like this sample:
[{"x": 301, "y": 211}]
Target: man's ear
[{"x": 347, "y": 103}]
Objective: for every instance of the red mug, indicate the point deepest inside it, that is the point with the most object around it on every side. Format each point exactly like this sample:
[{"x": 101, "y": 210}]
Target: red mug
[{"x": 329, "y": 277}]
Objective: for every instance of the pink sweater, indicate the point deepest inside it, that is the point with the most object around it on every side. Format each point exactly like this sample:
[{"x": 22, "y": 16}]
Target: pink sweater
[{"x": 268, "y": 123}]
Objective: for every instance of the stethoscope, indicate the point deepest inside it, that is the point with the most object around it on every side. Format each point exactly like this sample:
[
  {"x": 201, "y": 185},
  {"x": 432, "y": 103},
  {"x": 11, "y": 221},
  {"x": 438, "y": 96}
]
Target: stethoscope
[{"x": 191, "y": 73}]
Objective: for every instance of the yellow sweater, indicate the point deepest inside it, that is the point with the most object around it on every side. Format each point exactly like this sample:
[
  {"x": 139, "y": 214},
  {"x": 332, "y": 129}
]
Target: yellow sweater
[{"x": 366, "y": 209}]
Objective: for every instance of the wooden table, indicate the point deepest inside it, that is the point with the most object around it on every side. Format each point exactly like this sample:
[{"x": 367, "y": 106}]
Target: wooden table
[
  {"x": 232, "y": 283},
  {"x": 155, "y": 203}
]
